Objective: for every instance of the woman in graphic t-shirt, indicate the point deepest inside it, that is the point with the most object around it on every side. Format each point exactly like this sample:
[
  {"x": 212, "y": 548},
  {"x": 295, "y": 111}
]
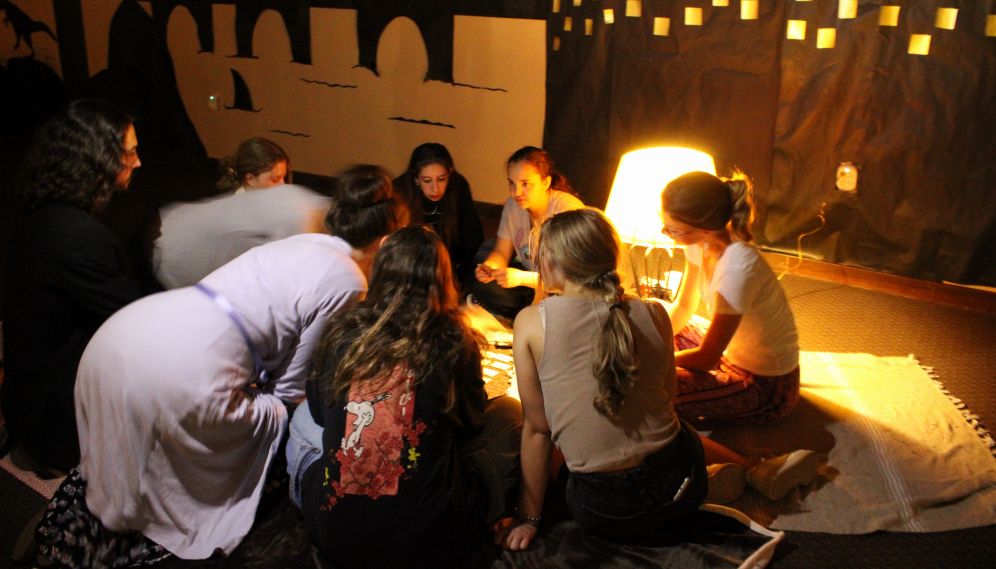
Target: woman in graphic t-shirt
[{"x": 398, "y": 459}]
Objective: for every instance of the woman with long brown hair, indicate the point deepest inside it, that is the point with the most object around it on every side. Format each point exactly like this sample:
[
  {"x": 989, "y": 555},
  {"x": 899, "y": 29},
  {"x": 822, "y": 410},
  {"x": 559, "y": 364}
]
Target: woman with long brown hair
[
  {"x": 439, "y": 197},
  {"x": 595, "y": 371},
  {"x": 596, "y": 376},
  {"x": 398, "y": 459}
]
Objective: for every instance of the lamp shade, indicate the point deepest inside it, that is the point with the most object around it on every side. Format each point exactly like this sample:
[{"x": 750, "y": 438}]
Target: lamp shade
[{"x": 636, "y": 191}]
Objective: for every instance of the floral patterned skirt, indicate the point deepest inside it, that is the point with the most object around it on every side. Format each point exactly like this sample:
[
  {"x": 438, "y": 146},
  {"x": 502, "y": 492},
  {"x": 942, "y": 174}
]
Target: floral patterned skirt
[
  {"x": 70, "y": 536},
  {"x": 730, "y": 393}
]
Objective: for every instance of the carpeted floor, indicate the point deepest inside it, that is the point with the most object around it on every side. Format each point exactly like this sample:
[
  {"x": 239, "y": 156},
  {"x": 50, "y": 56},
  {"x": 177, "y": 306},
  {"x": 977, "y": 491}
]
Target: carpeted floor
[{"x": 957, "y": 343}]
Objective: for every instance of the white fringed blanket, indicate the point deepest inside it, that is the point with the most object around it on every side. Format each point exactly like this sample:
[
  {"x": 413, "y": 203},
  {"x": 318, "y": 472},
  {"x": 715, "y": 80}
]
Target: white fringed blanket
[{"x": 901, "y": 455}]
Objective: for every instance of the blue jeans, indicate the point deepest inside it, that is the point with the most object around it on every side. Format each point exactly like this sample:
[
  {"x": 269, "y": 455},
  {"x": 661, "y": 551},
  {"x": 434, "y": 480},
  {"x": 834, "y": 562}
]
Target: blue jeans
[
  {"x": 304, "y": 447},
  {"x": 493, "y": 454},
  {"x": 635, "y": 503}
]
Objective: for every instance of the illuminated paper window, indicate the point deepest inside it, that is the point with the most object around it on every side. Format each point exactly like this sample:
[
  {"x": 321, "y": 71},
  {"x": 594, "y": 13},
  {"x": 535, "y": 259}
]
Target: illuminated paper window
[
  {"x": 693, "y": 16},
  {"x": 748, "y": 9},
  {"x": 556, "y": 43},
  {"x": 662, "y": 26},
  {"x": 946, "y": 18},
  {"x": 919, "y": 44},
  {"x": 889, "y": 16},
  {"x": 826, "y": 38},
  {"x": 610, "y": 16},
  {"x": 796, "y": 30},
  {"x": 556, "y": 6},
  {"x": 720, "y": 2},
  {"x": 589, "y": 26},
  {"x": 568, "y": 23},
  {"x": 991, "y": 26},
  {"x": 634, "y": 8},
  {"x": 847, "y": 9},
  {"x": 577, "y": 2}
]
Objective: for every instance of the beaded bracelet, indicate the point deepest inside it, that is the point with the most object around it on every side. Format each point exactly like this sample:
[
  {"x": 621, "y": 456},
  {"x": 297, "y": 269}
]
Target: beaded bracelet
[{"x": 529, "y": 520}]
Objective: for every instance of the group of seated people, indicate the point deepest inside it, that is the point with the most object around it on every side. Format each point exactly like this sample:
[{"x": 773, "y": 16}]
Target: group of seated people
[{"x": 345, "y": 345}]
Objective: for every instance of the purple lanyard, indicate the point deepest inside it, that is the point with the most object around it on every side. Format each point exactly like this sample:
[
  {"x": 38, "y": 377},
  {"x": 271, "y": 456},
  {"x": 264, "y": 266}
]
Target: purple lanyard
[{"x": 233, "y": 314}]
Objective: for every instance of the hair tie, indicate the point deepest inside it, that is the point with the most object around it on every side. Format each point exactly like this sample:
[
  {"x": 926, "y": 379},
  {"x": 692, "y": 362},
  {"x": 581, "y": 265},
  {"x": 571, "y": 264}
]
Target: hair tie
[{"x": 617, "y": 305}]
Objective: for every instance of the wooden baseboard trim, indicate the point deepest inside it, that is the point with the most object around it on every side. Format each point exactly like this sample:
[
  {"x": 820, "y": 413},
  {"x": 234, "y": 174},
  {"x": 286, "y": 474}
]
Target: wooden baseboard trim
[{"x": 941, "y": 293}]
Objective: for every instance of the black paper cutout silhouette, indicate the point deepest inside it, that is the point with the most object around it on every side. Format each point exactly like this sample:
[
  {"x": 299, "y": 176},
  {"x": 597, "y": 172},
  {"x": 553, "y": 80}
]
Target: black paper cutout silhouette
[
  {"x": 421, "y": 121},
  {"x": 23, "y": 25},
  {"x": 297, "y": 21},
  {"x": 200, "y": 11},
  {"x": 243, "y": 100},
  {"x": 327, "y": 84},
  {"x": 434, "y": 18},
  {"x": 434, "y": 21}
]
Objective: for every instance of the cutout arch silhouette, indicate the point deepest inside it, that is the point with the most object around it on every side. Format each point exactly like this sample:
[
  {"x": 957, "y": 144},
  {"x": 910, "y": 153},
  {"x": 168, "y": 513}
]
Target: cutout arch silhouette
[{"x": 295, "y": 15}]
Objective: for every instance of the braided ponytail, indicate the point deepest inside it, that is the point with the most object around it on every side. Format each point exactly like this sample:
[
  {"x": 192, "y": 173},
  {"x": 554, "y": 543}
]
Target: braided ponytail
[
  {"x": 584, "y": 247},
  {"x": 615, "y": 360}
]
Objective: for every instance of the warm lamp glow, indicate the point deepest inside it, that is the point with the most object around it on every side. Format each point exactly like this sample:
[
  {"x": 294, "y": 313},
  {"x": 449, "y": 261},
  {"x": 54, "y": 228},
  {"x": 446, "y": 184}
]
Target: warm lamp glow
[{"x": 636, "y": 191}]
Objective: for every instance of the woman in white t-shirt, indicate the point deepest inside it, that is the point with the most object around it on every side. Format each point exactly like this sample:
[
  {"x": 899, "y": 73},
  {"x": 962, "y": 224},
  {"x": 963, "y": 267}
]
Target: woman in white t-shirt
[
  {"x": 537, "y": 192},
  {"x": 744, "y": 368}
]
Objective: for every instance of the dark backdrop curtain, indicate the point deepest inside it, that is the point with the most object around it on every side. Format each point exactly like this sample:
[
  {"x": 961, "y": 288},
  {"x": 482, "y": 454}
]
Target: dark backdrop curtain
[{"x": 922, "y": 129}]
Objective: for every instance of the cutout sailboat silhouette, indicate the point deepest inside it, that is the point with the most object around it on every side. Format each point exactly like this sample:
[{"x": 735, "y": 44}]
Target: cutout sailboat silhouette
[{"x": 243, "y": 100}]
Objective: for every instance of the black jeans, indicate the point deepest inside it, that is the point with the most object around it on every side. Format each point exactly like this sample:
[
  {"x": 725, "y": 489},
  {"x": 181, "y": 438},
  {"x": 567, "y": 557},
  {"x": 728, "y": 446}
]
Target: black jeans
[{"x": 630, "y": 504}]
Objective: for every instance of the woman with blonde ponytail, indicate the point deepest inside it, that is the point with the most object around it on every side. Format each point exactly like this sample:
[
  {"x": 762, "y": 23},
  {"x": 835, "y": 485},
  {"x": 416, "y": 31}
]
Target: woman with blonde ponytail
[
  {"x": 743, "y": 368},
  {"x": 595, "y": 370}
]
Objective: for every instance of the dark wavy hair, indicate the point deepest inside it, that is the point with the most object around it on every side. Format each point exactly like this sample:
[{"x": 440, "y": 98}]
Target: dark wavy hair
[
  {"x": 365, "y": 206},
  {"x": 254, "y": 156},
  {"x": 75, "y": 157},
  {"x": 426, "y": 155},
  {"x": 410, "y": 318},
  {"x": 539, "y": 159}
]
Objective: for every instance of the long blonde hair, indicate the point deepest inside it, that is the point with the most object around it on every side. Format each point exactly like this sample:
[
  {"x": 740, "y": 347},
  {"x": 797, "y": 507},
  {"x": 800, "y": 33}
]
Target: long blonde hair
[
  {"x": 584, "y": 247},
  {"x": 704, "y": 201}
]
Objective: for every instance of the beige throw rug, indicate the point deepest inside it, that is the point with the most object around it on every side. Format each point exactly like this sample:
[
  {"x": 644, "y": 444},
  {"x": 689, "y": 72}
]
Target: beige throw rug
[{"x": 900, "y": 454}]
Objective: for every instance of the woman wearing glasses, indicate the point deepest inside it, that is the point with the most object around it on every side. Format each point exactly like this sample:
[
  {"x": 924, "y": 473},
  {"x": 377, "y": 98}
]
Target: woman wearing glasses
[{"x": 743, "y": 368}]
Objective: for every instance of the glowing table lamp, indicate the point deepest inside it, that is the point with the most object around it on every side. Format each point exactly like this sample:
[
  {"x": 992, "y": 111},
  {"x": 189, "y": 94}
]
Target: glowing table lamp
[{"x": 636, "y": 198}]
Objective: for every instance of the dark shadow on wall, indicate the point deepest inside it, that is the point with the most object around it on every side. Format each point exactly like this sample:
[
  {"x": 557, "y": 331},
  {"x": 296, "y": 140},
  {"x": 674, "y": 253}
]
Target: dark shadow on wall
[
  {"x": 30, "y": 94},
  {"x": 141, "y": 78}
]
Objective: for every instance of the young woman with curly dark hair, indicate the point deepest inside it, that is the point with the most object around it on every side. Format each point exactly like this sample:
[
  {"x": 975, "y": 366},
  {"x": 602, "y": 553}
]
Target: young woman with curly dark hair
[{"x": 65, "y": 274}]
